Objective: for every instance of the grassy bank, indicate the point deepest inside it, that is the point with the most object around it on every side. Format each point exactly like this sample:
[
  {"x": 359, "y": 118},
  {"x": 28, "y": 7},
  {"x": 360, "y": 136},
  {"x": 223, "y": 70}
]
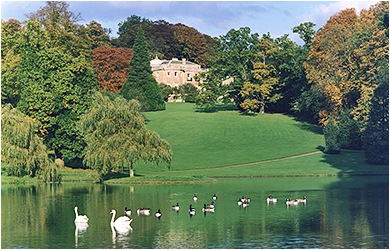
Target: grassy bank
[{"x": 228, "y": 144}]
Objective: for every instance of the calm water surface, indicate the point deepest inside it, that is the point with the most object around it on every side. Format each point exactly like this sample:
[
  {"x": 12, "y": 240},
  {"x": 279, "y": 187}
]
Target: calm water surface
[{"x": 340, "y": 213}]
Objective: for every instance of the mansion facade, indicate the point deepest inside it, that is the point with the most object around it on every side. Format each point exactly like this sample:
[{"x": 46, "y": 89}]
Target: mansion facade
[{"x": 176, "y": 72}]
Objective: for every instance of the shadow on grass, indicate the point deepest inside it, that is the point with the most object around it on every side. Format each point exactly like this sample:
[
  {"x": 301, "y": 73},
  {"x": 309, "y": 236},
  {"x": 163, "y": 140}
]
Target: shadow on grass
[
  {"x": 306, "y": 123},
  {"x": 217, "y": 108},
  {"x": 117, "y": 175}
]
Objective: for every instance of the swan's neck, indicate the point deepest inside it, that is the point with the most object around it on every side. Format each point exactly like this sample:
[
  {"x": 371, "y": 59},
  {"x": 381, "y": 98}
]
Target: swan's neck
[
  {"x": 77, "y": 214},
  {"x": 113, "y": 216}
]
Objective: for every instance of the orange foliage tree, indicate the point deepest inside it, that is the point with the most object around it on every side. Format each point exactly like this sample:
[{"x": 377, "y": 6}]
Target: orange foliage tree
[
  {"x": 112, "y": 66},
  {"x": 345, "y": 58}
]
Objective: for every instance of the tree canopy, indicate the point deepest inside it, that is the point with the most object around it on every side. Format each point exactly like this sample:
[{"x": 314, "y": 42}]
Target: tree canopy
[{"x": 117, "y": 137}]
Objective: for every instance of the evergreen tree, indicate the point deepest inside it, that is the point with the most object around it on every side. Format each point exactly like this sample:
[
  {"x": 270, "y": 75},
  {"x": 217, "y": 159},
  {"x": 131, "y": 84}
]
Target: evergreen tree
[
  {"x": 350, "y": 135},
  {"x": 141, "y": 85},
  {"x": 332, "y": 137}
]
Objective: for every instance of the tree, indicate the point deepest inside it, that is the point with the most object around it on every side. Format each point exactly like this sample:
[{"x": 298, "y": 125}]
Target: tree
[
  {"x": 124, "y": 26},
  {"x": 112, "y": 67},
  {"x": 141, "y": 84},
  {"x": 332, "y": 137},
  {"x": 55, "y": 89},
  {"x": 188, "y": 92},
  {"x": 98, "y": 36},
  {"x": 117, "y": 137},
  {"x": 376, "y": 133},
  {"x": 234, "y": 55},
  {"x": 22, "y": 149},
  {"x": 192, "y": 43},
  {"x": 305, "y": 32},
  {"x": 61, "y": 25},
  {"x": 166, "y": 91},
  {"x": 350, "y": 134}
]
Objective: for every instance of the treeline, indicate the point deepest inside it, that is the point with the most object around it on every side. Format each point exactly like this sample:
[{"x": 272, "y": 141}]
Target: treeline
[{"x": 52, "y": 65}]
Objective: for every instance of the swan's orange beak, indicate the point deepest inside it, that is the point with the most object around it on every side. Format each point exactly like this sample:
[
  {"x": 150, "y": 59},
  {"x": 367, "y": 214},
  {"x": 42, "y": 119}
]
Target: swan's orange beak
[{"x": 111, "y": 212}]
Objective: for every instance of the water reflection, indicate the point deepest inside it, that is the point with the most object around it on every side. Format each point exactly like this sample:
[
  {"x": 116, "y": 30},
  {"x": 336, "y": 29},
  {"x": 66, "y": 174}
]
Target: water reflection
[{"x": 341, "y": 213}]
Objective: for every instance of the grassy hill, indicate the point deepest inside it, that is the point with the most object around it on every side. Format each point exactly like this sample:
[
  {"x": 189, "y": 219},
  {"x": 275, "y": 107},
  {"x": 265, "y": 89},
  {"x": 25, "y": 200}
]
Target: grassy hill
[{"x": 201, "y": 140}]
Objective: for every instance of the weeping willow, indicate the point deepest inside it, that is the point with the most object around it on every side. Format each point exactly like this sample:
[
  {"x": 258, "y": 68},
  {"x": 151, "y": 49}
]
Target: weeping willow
[
  {"x": 22, "y": 149},
  {"x": 117, "y": 137}
]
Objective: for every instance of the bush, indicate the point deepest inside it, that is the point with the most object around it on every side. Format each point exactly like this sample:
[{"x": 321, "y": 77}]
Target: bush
[
  {"x": 332, "y": 137},
  {"x": 350, "y": 135}
]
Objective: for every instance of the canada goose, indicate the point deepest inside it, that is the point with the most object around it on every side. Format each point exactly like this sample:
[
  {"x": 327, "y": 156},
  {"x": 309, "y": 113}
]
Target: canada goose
[
  {"x": 291, "y": 202},
  {"x": 191, "y": 211},
  {"x": 195, "y": 198},
  {"x": 143, "y": 211},
  {"x": 245, "y": 200},
  {"x": 245, "y": 204},
  {"x": 127, "y": 212},
  {"x": 158, "y": 214},
  {"x": 215, "y": 197},
  {"x": 207, "y": 209},
  {"x": 176, "y": 207},
  {"x": 302, "y": 200},
  {"x": 270, "y": 199},
  {"x": 211, "y": 205},
  {"x": 239, "y": 202},
  {"x": 80, "y": 218}
]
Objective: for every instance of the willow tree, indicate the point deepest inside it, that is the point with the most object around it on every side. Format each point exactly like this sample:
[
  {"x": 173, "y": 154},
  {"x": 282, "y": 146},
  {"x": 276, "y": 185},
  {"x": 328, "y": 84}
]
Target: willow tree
[
  {"x": 21, "y": 148},
  {"x": 117, "y": 137}
]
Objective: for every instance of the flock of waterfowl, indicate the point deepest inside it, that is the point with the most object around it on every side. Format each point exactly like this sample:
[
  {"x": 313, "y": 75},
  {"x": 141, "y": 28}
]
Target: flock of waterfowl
[{"x": 122, "y": 223}]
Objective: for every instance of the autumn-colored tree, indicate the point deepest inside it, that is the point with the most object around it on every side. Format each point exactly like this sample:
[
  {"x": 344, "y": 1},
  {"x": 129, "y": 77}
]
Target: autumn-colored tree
[
  {"x": 117, "y": 137},
  {"x": 192, "y": 43},
  {"x": 162, "y": 41},
  {"x": 345, "y": 58},
  {"x": 112, "y": 67},
  {"x": 98, "y": 36}
]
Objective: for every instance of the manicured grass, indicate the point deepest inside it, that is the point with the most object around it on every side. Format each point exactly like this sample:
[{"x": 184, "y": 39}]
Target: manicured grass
[{"x": 200, "y": 140}]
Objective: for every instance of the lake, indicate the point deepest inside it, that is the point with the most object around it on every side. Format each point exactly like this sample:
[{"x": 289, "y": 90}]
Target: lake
[{"x": 340, "y": 212}]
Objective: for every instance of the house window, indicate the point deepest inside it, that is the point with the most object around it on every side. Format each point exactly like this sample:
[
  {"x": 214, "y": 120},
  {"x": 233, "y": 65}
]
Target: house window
[
  {"x": 176, "y": 73},
  {"x": 168, "y": 73},
  {"x": 189, "y": 77}
]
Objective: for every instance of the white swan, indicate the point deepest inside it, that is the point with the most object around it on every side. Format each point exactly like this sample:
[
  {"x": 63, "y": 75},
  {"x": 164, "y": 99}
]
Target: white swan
[
  {"x": 122, "y": 224},
  {"x": 80, "y": 218}
]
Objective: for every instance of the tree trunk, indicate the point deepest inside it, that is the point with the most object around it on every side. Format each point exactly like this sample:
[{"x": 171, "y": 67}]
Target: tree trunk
[{"x": 131, "y": 170}]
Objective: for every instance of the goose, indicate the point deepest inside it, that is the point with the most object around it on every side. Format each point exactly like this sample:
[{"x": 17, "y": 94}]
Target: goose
[
  {"x": 291, "y": 202},
  {"x": 270, "y": 199},
  {"x": 302, "y": 200},
  {"x": 176, "y": 207},
  {"x": 80, "y": 218},
  {"x": 207, "y": 209},
  {"x": 215, "y": 197},
  {"x": 127, "y": 212},
  {"x": 239, "y": 202},
  {"x": 121, "y": 222},
  {"x": 211, "y": 205},
  {"x": 245, "y": 204},
  {"x": 195, "y": 198},
  {"x": 158, "y": 214},
  {"x": 143, "y": 211},
  {"x": 191, "y": 211},
  {"x": 245, "y": 200}
]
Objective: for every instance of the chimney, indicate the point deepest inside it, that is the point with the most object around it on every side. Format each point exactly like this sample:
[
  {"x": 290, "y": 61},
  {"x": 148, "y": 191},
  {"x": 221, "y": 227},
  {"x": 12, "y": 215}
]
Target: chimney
[{"x": 183, "y": 61}]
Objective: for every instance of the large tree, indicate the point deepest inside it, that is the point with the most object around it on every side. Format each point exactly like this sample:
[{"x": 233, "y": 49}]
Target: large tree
[
  {"x": 54, "y": 88},
  {"x": 112, "y": 67},
  {"x": 22, "y": 149},
  {"x": 117, "y": 137},
  {"x": 234, "y": 55},
  {"x": 141, "y": 84}
]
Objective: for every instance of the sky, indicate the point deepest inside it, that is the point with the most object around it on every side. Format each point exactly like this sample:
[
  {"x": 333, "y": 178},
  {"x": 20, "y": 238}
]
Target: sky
[{"x": 214, "y": 18}]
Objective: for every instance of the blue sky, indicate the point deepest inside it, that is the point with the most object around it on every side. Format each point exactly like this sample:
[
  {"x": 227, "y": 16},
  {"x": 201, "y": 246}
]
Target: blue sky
[{"x": 214, "y": 18}]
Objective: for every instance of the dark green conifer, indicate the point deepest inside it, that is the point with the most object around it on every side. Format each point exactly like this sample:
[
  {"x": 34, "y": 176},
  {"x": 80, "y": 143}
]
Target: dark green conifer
[
  {"x": 332, "y": 137},
  {"x": 141, "y": 85}
]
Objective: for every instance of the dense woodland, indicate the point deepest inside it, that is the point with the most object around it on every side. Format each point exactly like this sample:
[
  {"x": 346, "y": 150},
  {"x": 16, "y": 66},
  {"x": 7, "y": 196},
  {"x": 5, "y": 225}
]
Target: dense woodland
[{"x": 52, "y": 68}]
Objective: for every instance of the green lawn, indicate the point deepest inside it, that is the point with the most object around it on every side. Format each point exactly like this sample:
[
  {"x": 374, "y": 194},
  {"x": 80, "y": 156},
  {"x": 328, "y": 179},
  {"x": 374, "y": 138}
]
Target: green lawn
[{"x": 210, "y": 140}]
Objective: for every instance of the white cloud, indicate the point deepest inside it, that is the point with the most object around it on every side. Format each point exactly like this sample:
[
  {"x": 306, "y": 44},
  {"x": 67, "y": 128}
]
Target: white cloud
[{"x": 321, "y": 13}]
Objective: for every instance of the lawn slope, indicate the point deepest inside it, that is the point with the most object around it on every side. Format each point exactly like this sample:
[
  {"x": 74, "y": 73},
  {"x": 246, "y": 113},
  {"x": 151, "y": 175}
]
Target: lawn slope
[{"x": 202, "y": 140}]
